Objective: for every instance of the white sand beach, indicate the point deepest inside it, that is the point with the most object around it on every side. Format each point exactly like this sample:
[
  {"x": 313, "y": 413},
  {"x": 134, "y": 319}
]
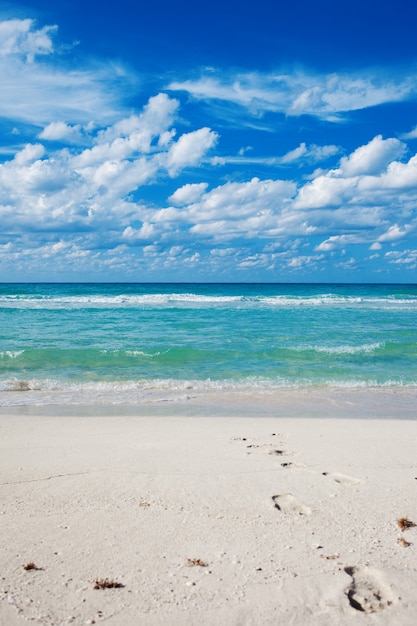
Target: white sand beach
[{"x": 204, "y": 518}]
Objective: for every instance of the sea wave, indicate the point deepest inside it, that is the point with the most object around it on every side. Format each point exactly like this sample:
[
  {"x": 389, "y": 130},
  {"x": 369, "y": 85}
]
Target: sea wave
[
  {"x": 134, "y": 353},
  {"x": 10, "y": 354},
  {"x": 348, "y": 349},
  {"x": 48, "y": 392},
  {"x": 117, "y": 301},
  {"x": 190, "y": 300}
]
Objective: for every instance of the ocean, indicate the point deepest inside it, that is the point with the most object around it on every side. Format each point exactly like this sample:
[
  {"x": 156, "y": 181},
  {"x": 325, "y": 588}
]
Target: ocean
[{"x": 136, "y": 343}]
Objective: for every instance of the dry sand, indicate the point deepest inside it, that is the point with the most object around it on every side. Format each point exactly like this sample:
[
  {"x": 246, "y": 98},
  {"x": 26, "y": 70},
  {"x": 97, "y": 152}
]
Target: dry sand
[{"x": 208, "y": 520}]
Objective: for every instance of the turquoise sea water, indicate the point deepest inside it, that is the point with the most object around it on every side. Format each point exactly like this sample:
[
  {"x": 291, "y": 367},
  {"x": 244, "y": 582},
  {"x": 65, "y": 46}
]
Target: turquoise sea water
[{"x": 154, "y": 341}]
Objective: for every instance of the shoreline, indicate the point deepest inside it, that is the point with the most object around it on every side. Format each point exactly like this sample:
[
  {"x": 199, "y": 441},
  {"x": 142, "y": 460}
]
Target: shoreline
[
  {"x": 251, "y": 520},
  {"x": 312, "y": 402}
]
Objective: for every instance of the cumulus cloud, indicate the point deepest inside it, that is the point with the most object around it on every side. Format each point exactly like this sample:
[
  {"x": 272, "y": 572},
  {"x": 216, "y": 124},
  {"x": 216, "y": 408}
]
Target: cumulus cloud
[
  {"x": 362, "y": 197},
  {"x": 400, "y": 175},
  {"x": 138, "y": 131},
  {"x": 29, "y": 154},
  {"x": 395, "y": 232},
  {"x": 65, "y": 193},
  {"x": 305, "y": 261},
  {"x": 373, "y": 158},
  {"x": 78, "y": 192},
  {"x": 298, "y": 93},
  {"x": 133, "y": 235},
  {"x": 90, "y": 187},
  {"x": 256, "y": 208},
  {"x": 369, "y": 168},
  {"x": 187, "y": 194},
  {"x": 133, "y": 135},
  {"x": 190, "y": 148},
  {"x": 406, "y": 258},
  {"x": 60, "y": 131},
  {"x": 338, "y": 241},
  {"x": 324, "y": 191}
]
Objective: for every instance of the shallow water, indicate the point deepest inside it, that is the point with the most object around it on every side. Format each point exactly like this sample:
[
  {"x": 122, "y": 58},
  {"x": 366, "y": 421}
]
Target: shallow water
[{"x": 134, "y": 343}]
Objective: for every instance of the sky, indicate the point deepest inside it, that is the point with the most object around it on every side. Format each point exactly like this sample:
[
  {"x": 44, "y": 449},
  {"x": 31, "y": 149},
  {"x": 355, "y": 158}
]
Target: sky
[{"x": 227, "y": 141}]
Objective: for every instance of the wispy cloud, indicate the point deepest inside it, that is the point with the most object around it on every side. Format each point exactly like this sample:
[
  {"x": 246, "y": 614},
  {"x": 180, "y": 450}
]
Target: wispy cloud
[
  {"x": 309, "y": 154},
  {"x": 19, "y": 38},
  {"x": 53, "y": 90},
  {"x": 297, "y": 93},
  {"x": 301, "y": 155},
  {"x": 412, "y": 134}
]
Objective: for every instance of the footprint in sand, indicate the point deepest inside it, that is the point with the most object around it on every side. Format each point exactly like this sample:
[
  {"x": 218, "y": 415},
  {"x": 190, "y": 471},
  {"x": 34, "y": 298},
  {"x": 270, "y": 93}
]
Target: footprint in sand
[
  {"x": 267, "y": 448},
  {"x": 276, "y": 452},
  {"x": 286, "y": 503},
  {"x": 289, "y": 465},
  {"x": 342, "y": 478},
  {"x": 367, "y": 591}
]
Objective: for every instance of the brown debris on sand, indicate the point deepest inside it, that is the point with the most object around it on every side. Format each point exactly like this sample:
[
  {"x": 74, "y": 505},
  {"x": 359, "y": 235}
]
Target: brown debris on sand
[
  {"x": 31, "y": 565},
  {"x": 404, "y": 523},
  {"x": 105, "y": 583},
  {"x": 196, "y": 562},
  {"x": 403, "y": 542}
]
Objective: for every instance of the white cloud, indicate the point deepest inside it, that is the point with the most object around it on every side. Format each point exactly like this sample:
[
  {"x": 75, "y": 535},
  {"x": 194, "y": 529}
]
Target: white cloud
[
  {"x": 401, "y": 175},
  {"x": 394, "y": 233},
  {"x": 301, "y": 93},
  {"x": 375, "y": 246},
  {"x": 189, "y": 149},
  {"x": 373, "y": 158},
  {"x": 83, "y": 204},
  {"x": 311, "y": 153},
  {"x": 324, "y": 191},
  {"x": 294, "y": 155},
  {"x": 188, "y": 194},
  {"x": 60, "y": 131},
  {"x": 29, "y": 154},
  {"x": 412, "y": 134},
  {"x": 133, "y": 136},
  {"x": 302, "y": 155},
  {"x": 90, "y": 188},
  {"x": 139, "y": 130},
  {"x": 20, "y": 38},
  {"x": 146, "y": 231},
  {"x": 361, "y": 176},
  {"x": 256, "y": 197},
  {"x": 52, "y": 92},
  {"x": 339, "y": 241},
  {"x": 305, "y": 261},
  {"x": 256, "y": 208},
  {"x": 403, "y": 257}
]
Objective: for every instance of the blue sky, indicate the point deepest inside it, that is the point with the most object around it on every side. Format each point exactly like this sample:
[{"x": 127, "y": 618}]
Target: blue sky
[{"x": 226, "y": 141}]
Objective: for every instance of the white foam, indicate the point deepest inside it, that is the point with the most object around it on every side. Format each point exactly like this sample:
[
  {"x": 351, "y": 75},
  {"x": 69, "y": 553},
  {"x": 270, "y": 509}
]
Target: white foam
[
  {"x": 10, "y": 354},
  {"x": 46, "y": 392},
  {"x": 199, "y": 300},
  {"x": 119, "y": 301},
  {"x": 135, "y": 352},
  {"x": 370, "y": 347}
]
